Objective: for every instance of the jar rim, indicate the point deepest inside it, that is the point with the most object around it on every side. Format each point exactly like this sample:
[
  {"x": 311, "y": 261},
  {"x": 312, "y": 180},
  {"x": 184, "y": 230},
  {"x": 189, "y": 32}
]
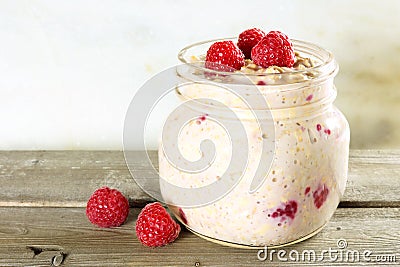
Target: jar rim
[{"x": 326, "y": 66}]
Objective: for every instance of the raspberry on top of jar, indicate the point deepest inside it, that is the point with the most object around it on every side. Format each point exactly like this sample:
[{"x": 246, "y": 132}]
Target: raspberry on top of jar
[{"x": 259, "y": 54}]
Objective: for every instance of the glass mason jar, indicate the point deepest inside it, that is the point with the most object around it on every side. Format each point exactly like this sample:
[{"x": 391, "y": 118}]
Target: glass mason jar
[{"x": 306, "y": 156}]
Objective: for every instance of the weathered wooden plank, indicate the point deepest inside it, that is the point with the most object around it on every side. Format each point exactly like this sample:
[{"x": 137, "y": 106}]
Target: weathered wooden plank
[
  {"x": 63, "y": 178},
  {"x": 67, "y": 178},
  {"x": 373, "y": 180},
  {"x": 65, "y": 233}
]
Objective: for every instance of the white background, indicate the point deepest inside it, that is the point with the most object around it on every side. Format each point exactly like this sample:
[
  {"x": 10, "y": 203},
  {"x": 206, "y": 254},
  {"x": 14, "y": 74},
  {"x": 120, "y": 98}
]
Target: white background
[{"x": 68, "y": 69}]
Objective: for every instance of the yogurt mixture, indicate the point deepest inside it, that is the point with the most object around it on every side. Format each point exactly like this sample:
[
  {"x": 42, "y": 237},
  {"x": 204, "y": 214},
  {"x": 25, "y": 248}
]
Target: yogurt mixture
[{"x": 308, "y": 173}]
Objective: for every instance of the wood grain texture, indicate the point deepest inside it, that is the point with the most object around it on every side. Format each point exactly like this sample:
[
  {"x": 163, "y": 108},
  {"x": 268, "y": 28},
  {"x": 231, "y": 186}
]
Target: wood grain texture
[
  {"x": 43, "y": 221},
  {"x": 67, "y": 179},
  {"x": 63, "y": 179},
  {"x": 65, "y": 231}
]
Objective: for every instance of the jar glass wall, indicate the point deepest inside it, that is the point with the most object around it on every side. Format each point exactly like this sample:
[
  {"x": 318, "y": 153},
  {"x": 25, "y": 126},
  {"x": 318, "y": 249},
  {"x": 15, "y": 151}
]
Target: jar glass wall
[{"x": 308, "y": 165}]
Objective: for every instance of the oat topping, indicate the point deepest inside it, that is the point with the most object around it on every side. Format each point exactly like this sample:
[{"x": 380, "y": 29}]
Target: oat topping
[{"x": 301, "y": 63}]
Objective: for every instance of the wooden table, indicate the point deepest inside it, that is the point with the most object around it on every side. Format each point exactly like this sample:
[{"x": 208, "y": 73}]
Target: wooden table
[{"x": 43, "y": 219}]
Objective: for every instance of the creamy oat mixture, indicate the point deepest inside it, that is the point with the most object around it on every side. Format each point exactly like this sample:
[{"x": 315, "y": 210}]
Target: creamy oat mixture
[{"x": 307, "y": 177}]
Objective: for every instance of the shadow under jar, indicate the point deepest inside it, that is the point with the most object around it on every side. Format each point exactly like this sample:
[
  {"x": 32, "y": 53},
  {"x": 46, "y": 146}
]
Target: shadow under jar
[{"x": 307, "y": 156}]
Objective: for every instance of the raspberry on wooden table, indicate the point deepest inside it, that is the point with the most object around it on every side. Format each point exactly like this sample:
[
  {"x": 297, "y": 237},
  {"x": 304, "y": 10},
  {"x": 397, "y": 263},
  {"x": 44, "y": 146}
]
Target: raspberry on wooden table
[
  {"x": 155, "y": 227},
  {"x": 107, "y": 208}
]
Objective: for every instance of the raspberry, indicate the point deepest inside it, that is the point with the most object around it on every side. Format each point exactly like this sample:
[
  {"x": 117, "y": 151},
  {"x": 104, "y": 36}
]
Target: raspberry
[
  {"x": 182, "y": 216},
  {"x": 320, "y": 195},
  {"x": 275, "y": 49},
  {"x": 155, "y": 227},
  {"x": 287, "y": 210},
  {"x": 248, "y": 39},
  {"x": 224, "y": 56},
  {"x": 307, "y": 190},
  {"x": 107, "y": 208}
]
